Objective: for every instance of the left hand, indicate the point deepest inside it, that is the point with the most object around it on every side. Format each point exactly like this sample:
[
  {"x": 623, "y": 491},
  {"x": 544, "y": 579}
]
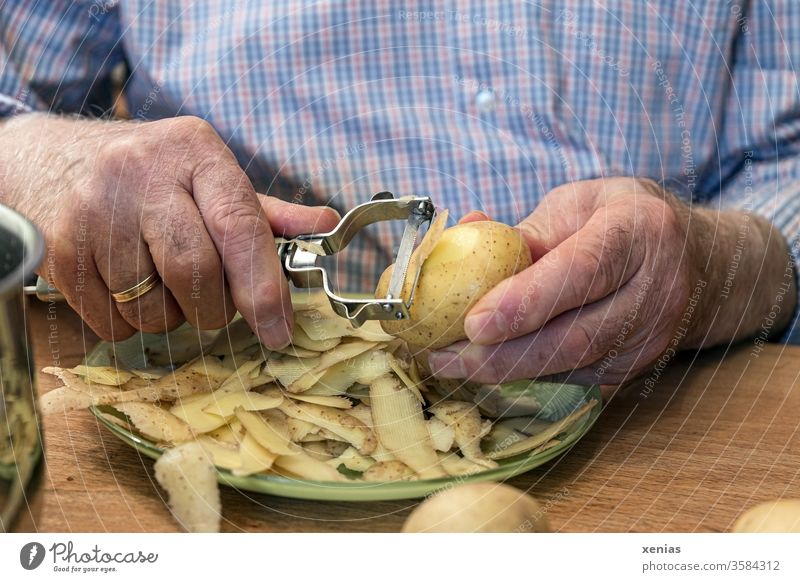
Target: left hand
[{"x": 623, "y": 272}]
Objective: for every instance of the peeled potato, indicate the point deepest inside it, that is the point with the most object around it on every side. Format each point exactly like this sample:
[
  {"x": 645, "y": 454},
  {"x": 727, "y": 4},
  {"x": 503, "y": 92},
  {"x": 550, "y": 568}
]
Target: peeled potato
[
  {"x": 478, "y": 507},
  {"x": 465, "y": 263},
  {"x": 771, "y": 517}
]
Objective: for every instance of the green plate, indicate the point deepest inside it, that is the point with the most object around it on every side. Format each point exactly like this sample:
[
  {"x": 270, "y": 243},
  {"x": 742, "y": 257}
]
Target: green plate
[{"x": 144, "y": 348}]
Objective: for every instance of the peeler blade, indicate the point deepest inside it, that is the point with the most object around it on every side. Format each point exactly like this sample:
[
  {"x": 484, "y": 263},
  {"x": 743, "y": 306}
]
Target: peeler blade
[{"x": 417, "y": 218}]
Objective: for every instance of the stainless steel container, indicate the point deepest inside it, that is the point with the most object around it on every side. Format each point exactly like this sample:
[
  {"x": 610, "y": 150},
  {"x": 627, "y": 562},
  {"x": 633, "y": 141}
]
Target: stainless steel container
[{"x": 21, "y": 249}]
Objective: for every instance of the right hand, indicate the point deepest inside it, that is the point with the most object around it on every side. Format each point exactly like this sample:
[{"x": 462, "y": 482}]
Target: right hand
[{"x": 117, "y": 200}]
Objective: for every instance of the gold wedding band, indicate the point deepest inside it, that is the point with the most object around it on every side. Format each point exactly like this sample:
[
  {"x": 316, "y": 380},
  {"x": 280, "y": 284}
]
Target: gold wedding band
[{"x": 137, "y": 290}]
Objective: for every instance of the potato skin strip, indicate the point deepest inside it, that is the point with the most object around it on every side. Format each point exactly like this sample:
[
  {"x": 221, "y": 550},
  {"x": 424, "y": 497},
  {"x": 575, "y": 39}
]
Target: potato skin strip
[
  {"x": 389, "y": 471},
  {"x": 271, "y": 432},
  {"x": 397, "y": 368},
  {"x": 155, "y": 422},
  {"x": 190, "y": 479},
  {"x": 331, "y": 401},
  {"x": 340, "y": 353},
  {"x": 531, "y": 443},
  {"x": 198, "y": 375},
  {"x": 225, "y": 405},
  {"x": 106, "y": 375},
  {"x": 353, "y": 460},
  {"x": 253, "y": 457},
  {"x": 401, "y": 427},
  {"x": 336, "y": 421},
  {"x": 305, "y": 466},
  {"x": 466, "y": 421}
]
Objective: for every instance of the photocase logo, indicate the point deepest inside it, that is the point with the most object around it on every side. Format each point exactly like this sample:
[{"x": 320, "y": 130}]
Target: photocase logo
[{"x": 31, "y": 555}]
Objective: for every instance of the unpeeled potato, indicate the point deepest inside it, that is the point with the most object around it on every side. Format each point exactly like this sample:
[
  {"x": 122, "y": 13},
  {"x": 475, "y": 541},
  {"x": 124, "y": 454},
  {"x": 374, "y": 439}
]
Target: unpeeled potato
[
  {"x": 465, "y": 263},
  {"x": 781, "y": 516},
  {"x": 478, "y": 507}
]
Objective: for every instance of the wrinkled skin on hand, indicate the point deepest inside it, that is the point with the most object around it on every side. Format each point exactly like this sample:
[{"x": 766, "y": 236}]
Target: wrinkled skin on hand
[
  {"x": 118, "y": 200},
  {"x": 623, "y": 272}
]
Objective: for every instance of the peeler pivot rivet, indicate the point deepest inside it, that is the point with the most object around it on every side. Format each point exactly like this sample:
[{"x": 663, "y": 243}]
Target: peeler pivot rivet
[
  {"x": 398, "y": 315},
  {"x": 387, "y": 306}
]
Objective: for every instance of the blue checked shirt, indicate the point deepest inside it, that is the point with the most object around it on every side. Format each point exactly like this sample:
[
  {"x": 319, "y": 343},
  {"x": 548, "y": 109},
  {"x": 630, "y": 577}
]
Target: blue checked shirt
[{"x": 484, "y": 105}]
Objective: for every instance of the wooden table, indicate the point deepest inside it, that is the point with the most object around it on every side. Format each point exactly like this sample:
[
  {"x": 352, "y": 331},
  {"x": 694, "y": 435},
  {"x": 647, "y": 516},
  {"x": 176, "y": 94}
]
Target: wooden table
[{"x": 718, "y": 433}]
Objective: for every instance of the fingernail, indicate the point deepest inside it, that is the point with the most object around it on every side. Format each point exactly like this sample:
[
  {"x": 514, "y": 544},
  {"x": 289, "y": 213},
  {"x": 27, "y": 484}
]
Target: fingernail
[
  {"x": 474, "y": 216},
  {"x": 486, "y": 326},
  {"x": 275, "y": 333},
  {"x": 447, "y": 365}
]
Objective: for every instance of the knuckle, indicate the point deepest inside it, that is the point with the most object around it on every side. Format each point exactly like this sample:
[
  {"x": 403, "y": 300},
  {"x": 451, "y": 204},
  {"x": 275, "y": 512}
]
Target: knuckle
[
  {"x": 538, "y": 231},
  {"x": 501, "y": 365},
  {"x": 593, "y": 341},
  {"x": 552, "y": 349},
  {"x": 651, "y": 187},
  {"x": 605, "y": 259},
  {"x": 116, "y": 151},
  {"x": 187, "y": 252},
  {"x": 128, "y": 154},
  {"x": 240, "y": 226},
  {"x": 190, "y": 126},
  {"x": 580, "y": 341},
  {"x": 674, "y": 226},
  {"x": 149, "y": 320},
  {"x": 548, "y": 343},
  {"x": 481, "y": 369},
  {"x": 99, "y": 326},
  {"x": 540, "y": 353},
  {"x": 152, "y": 326},
  {"x": 579, "y": 347},
  {"x": 615, "y": 254},
  {"x": 270, "y": 301},
  {"x": 657, "y": 216},
  {"x": 588, "y": 259},
  {"x": 561, "y": 191},
  {"x": 218, "y": 317},
  {"x": 102, "y": 332},
  {"x": 63, "y": 257},
  {"x": 117, "y": 334},
  {"x": 151, "y": 313},
  {"x": 516, "y": 369},
  {"x": 196, "y": 135},
  {"x": 196, "y": 262},
  {"x": 145, "y": 321},
  {"x": 196, "y": 280},
  {"x": 92, "y": 315},
  {"x": 260, "y": 301}
]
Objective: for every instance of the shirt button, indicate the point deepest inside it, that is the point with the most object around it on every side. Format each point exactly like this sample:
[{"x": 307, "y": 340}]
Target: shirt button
[{"x": 485, "y": 101}]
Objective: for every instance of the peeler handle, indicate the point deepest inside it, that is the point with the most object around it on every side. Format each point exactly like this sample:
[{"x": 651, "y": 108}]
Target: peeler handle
[{"x": 43, "y": 291}]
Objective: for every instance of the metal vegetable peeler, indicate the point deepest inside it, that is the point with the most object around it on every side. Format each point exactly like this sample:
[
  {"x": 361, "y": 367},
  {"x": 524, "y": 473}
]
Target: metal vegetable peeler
[{"x": 299, "y": 257}]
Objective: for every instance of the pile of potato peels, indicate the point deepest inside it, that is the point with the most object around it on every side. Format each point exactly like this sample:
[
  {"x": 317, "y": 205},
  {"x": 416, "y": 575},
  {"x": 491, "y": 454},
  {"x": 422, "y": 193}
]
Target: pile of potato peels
[{"x": 339, "y": 404}]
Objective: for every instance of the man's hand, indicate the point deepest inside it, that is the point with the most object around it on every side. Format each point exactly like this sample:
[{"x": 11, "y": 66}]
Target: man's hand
[
  {"x": 118, "y": 200},
  {"x": 623, "y": 272}
]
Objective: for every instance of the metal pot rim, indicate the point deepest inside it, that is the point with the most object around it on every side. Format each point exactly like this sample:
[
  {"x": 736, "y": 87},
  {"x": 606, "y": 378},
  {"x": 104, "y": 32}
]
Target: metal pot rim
[{"x": 32, "y": 250}]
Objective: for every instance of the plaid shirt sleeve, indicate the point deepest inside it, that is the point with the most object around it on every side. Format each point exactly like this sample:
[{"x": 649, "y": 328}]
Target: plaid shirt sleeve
[
  {"x": 760, "y": 135},
  {"x": 58, "y": 55}
]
